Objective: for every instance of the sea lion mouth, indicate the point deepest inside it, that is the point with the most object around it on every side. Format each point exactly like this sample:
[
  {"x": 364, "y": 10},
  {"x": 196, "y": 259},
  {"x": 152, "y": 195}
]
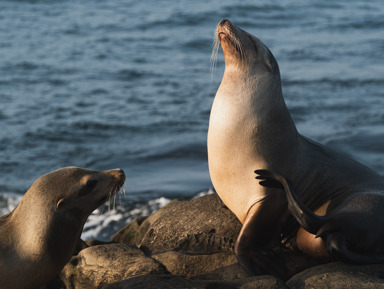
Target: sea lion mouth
[{"x": 222, "y": 34}]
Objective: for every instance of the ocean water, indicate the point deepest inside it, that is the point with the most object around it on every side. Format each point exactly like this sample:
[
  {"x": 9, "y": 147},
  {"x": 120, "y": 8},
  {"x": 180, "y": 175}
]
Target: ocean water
[{"x": 129, "y": 84}]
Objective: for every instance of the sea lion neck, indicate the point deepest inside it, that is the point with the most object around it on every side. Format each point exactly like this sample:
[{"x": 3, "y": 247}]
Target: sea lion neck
[
  {"x": 251, "y": 90},
  {"x": 42, "y": 223}
]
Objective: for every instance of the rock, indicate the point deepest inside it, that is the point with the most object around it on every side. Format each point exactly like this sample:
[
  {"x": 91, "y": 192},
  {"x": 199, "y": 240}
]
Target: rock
[
  {"x": 192, "y": 242},
  {"x": 174, "y": 282},
  {"x": 198, "y": 226},
  {"x": 220, "y": 266},
  {"x": 339, "y": 275},
  {"x": 56, "y": 283},
  {"x": 90, "y": 243},
  {"x": 134, "y": 232},
  {"x": 193, "y": 234},
  {"x": 296, "y": 262},
  {"x": 97, "y": 266},
  {"x": 131, "y": 233}
]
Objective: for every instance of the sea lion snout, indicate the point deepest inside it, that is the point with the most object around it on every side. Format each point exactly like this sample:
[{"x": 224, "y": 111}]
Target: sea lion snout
[
  {"x": 245, "y": 52},
  {"x": 223, "y": 22},
  {"x": 118, "y": 181},
  {"x": 117, "y": 173},
  {"x": 224, "y": 27}
]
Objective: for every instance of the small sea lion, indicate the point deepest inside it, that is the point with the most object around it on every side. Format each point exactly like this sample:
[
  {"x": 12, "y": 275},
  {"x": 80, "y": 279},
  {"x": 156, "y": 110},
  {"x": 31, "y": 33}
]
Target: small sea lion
[
  {"x": 250, "y": 127},
  {"x": 40, "y": 235}
]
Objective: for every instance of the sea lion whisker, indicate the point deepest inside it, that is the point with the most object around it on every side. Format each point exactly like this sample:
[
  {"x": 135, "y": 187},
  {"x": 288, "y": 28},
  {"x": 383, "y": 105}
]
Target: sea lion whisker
[
  {"x": 114, "y": 202},
  {"x": 234, "y": 41},
  {"x": 113, "y": 197},
  {"x": 239, "y": 48},
  {"x": 122, "y": 194},
  {"x": 215, "y": 50},
  {"x": 101, "y": 210},
  {"x": 115, "y": 192},
  {"x": 110, "y": 195}
]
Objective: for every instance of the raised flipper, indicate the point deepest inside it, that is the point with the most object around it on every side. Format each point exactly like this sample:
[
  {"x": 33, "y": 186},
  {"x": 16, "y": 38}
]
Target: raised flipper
[
  {"x": 352, "y": 233},
  {"x": 259, "y": 236},
  {"x": 306, "y": 218}
]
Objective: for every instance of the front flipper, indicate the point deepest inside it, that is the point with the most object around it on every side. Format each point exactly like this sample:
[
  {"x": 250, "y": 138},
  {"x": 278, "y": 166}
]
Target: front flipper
[
  {"x": 259, "y": 235},
  {"x": 306, "y": 218}
]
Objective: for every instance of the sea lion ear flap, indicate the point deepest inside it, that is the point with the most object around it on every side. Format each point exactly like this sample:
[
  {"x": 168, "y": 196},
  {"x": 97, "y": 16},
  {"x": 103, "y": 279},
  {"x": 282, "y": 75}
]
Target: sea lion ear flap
[{"x": 60, "y": 203}]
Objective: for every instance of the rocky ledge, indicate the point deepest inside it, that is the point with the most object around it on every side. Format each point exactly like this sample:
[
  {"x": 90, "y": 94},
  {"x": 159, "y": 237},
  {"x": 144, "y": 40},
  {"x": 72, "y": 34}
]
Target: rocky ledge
[{"x": 188, "y": 244}]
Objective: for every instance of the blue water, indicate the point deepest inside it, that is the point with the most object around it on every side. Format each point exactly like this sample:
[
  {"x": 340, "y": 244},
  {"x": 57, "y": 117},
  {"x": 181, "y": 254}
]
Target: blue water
[{"x": 105, "y": 84}]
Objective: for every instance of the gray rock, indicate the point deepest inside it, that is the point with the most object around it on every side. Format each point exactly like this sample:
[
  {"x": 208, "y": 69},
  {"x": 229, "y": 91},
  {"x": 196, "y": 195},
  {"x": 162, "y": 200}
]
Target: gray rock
[
  {"x": 197, "y": 226},
  {"x": 197, "y": 229},
  {"x": 134, "y": 232},
  {"x": 192, "y": 242},
  {"x": 339, "y": 275},
  {"x": 219, "y": 266},
  {"x": 174, "y": 282},
  {"x": 97, "y": 266}
]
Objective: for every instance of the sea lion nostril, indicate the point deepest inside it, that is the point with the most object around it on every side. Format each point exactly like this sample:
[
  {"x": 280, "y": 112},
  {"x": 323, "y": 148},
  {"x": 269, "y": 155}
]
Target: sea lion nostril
[
  {"x": 117, "y": 173},
  {"x": 122, "y": 173},
  {"x": 223, "y": 22}
]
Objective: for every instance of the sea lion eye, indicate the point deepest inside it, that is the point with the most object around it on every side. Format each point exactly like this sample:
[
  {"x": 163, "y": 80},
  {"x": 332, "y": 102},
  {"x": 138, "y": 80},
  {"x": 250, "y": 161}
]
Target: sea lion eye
[
  {"x": 91, "y": 184},
  {"x": 87, "y": 188}
]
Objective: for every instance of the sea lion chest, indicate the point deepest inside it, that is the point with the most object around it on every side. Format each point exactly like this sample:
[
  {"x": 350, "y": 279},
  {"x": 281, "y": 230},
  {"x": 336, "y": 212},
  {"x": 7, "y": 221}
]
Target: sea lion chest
[{"x": 234, "y": 152}]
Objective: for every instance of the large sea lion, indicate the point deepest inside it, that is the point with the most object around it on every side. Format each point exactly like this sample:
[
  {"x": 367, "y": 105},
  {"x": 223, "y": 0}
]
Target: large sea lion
[
  {"x": 40, "y": 235},
  {"x": 250, "y": 128}
]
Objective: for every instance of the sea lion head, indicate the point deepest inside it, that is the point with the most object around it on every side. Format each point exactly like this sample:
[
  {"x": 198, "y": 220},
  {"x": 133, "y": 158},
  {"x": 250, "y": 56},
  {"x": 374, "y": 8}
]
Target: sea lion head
[
  {"x": 77, "y": 189},
  {"x": 244, "y": 52}
]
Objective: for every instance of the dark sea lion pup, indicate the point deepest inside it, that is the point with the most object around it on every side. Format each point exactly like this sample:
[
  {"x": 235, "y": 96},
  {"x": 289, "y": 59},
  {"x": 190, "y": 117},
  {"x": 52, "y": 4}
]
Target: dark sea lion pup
[
  {"x": 40, "y": 235},
  {"x": 250, "y": 127},
  {"x": 353, "y": 231}
]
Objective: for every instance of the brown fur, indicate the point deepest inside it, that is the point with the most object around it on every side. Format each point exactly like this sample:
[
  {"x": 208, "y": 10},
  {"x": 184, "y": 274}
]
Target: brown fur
[{"x": 40, "y": 235}]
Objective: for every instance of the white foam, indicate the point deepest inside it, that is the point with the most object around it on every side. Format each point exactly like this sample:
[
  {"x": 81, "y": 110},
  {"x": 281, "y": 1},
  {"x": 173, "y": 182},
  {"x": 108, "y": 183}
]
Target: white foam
[
  {"x": 101, "y": 225},
  {"x": 204, "y": 193},
  {"x": 8, "y": 202}
]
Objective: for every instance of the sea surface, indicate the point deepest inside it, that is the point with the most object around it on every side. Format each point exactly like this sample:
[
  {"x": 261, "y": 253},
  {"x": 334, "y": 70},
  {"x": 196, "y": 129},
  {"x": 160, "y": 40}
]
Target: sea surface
[{"x": 129, "y": 84}]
